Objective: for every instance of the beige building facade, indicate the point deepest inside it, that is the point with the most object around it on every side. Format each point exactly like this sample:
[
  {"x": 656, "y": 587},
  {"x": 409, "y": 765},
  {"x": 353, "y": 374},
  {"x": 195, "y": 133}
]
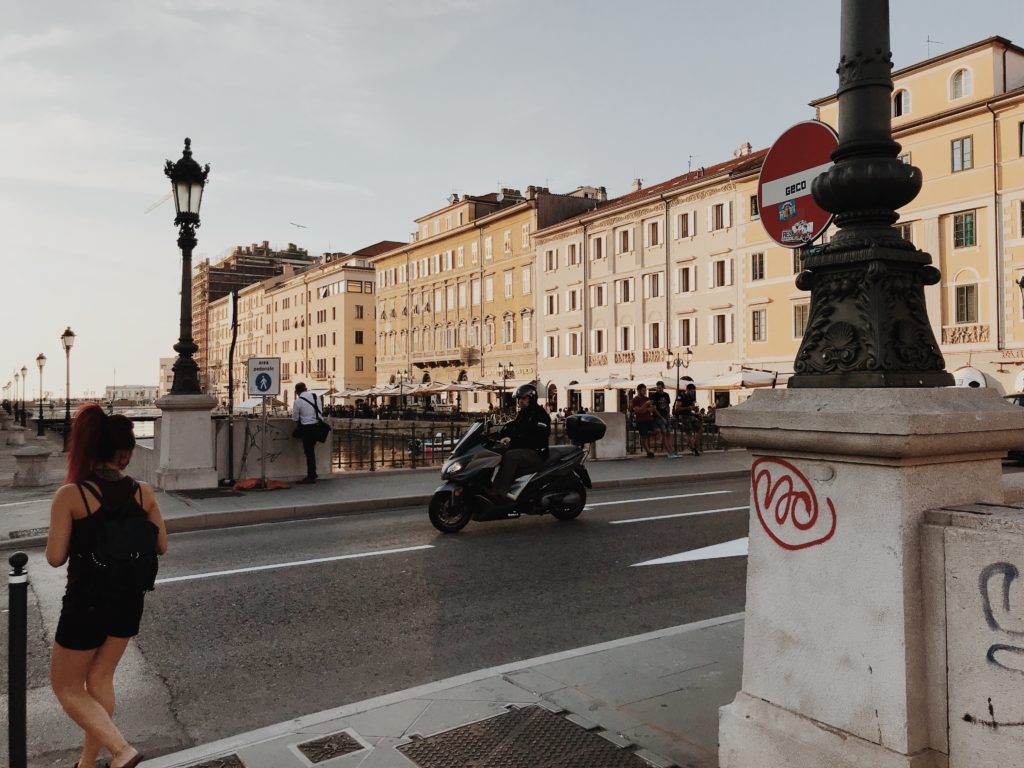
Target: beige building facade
[
  {"x": 318, "y": 321},
  {"x": 459, "y": 302},
  {"x": 686, "y": 264}
]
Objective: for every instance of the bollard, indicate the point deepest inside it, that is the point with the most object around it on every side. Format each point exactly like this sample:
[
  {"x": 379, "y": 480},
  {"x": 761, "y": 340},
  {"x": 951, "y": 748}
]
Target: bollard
[{"x": 17, "y": 651}]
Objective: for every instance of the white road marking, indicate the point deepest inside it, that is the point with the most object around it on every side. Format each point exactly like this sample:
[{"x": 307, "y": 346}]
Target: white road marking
[
  {"x": 276, "y": 566},
  {"x": 734, "y": 548},
  {"x": 677, "y": 514},
  {"x": 657, "y": 498},
  {"x": 19, "y": 503}
]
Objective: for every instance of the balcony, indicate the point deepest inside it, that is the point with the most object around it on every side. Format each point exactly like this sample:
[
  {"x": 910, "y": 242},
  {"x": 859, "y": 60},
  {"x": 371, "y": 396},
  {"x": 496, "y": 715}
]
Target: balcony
[
  {"x": 597, "y": 360},
  {"x": 625, "y": 357},
  {"x": 654, "y": 355}
]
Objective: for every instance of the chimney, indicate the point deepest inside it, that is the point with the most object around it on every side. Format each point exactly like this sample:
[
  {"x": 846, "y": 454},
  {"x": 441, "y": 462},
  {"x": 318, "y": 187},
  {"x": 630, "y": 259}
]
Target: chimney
[
  {"x": 603, "y": 194},
  {"x": 743, "y": 150},
  {"x": 266, "y": 244},
  {"x": 638, "y": 184},
  {"x": 414, "y": 236}
]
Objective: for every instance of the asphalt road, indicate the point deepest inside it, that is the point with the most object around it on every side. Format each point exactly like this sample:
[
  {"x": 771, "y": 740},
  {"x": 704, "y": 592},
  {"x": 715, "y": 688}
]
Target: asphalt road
[{"x": 393, "y": 604}]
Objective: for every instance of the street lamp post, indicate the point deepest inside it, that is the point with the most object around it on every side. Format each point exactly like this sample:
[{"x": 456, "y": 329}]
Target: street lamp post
[
  {"x": 679, "y": 360},
  {"x": 17, "y": 391},
  {"x": 868, "y": 324},
  {"x": 187, "y": 182},
  {"x": 506, "y": 372},
  {"x": 67, "y": 339},
  {"x": 40, "y": 361},
  {"x": 24, "y": 382}
]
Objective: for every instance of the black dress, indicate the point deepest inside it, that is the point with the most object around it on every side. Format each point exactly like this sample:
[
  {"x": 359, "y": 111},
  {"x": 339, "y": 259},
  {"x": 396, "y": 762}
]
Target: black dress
[{"x": 90, "y": 614}]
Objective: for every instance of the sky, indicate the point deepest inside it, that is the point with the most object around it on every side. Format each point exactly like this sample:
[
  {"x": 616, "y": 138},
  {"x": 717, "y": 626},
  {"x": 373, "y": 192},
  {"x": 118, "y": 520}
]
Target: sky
[{"x": 353, "y": 118}]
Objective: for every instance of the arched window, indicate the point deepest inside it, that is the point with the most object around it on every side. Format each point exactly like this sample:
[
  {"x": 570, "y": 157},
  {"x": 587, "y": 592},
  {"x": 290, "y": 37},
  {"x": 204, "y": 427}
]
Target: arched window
[
  {"x": 901, "y": 103},
  {"x": 960, "y": 84}
]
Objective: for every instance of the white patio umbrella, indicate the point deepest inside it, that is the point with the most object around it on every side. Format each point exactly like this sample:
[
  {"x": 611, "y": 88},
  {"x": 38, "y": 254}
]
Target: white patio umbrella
[
  {"x": 609, "y": 382},
  {"x": 742, "y": 379}
]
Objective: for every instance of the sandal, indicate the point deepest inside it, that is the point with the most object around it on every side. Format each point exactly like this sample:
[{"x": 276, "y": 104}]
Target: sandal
[{"x": 131, "y": 763}]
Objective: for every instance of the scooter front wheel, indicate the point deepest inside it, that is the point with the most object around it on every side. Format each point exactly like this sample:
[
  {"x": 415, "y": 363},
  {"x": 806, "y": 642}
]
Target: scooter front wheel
[{"x": 446, "y": 516}]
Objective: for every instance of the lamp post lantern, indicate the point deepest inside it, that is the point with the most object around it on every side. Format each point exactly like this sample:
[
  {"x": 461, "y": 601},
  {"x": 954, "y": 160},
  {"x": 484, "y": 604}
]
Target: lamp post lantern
[
  {"x": 24, "y": 382},
  {"x": 67, "y": 339},
  {"x": 679, "y": 360},
  {"x": 188, "y": 179},
  {"x": 506, "y": 372},
  {"x": 40, "y": 361}
]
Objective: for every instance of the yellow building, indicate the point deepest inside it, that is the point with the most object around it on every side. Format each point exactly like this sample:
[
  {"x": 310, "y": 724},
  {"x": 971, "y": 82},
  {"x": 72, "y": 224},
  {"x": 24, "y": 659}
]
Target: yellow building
[
  {"x": 458, "y": 303},
  {"x": 960, "y": 118},
  {"x": 318, "y": 321}
]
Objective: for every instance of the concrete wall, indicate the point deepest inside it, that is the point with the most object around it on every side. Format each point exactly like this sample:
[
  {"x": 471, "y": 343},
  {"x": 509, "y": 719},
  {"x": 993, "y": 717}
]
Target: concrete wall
[
  {"x": 285, "y": 459},
  {"x": 975, "y": 614}
]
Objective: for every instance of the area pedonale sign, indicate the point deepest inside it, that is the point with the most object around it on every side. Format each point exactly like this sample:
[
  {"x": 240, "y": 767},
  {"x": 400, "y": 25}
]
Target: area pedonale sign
[{"x": 788, "y": 212}]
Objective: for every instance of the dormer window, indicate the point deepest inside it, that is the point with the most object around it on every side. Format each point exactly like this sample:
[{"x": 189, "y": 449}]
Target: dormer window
[
  {"x": 960, "y": 84},
  {"x": 901, "y": 103}
]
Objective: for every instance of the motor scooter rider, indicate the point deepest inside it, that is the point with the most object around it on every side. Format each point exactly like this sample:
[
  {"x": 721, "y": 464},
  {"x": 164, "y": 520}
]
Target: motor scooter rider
[{"x": 527, "y": 439}]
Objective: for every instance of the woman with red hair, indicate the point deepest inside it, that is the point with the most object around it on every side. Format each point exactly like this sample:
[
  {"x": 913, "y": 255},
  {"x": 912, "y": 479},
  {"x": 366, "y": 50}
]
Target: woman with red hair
[{"x": 97, "y": 620}]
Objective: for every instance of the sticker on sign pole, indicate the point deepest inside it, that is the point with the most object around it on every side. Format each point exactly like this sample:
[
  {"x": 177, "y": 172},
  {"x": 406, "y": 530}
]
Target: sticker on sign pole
[{"x": 789, "y": 213}]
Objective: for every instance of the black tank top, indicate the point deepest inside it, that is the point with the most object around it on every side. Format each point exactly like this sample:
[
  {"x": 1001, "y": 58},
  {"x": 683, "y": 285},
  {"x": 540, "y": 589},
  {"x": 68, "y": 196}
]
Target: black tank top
[{"x": 112, "y": 494}]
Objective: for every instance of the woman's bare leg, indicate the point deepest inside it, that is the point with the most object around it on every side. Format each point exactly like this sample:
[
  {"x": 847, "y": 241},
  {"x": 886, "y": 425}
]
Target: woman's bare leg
[
  {"x": 99, "y": 682},
  {"x": 69, "y": 671}
]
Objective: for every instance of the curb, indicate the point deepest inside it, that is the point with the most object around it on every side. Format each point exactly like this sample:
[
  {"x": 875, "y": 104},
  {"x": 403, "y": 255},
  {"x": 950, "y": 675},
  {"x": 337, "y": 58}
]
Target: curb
[{"x": 238, "y": 518}]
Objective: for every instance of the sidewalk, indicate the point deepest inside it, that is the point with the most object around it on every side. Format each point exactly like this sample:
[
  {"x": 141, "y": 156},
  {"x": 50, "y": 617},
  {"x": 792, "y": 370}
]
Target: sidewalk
[
  {"x": 649, "y": 700},
  {"x": 25, "y": 512}
]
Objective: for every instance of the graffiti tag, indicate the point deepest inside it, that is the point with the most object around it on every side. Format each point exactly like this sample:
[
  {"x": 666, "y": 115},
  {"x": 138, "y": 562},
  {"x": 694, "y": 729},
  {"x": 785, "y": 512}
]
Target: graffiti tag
[
  {"x": 999, "y": 615},
  {"x": 787, "y": 506}
]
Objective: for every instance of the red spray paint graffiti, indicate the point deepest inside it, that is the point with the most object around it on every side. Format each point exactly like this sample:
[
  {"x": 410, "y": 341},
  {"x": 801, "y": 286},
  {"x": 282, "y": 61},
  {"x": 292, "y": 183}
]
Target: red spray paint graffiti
[{"x": 787, "y": 506}]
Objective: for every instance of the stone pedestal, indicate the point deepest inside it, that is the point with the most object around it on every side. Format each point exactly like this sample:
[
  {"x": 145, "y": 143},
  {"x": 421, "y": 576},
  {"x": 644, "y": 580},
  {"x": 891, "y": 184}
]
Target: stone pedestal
[
  {"x": 835, "y": 668},
  {"x": 185, "y": 443},
  {"x": 30, "y": 468},
  {"x": 16, "y": 435},
  {"x": 613, "y": 444},
  {"x": 5, "y": 420}
]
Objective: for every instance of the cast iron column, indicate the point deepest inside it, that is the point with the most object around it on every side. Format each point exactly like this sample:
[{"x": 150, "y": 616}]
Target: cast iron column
[{"x": 868, "y": 324}]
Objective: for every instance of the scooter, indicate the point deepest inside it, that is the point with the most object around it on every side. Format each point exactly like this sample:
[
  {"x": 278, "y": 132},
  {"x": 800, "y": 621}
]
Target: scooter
[{"x": 559, "y": 487}]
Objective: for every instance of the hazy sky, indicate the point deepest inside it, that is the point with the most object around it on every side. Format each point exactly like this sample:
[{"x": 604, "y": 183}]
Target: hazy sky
[{"x": 354, "y": 118}]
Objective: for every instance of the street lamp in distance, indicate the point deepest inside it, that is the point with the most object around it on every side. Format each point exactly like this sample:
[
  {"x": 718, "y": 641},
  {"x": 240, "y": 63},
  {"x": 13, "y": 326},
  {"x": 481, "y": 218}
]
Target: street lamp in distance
[
  {"x": 679, "y": 360},
  {"x": 506, "y": 372},
  {"x": 188, "y": 179},
  {"x": 24, "y": 382},
  {"x": 67, "y": 339},
  {"x": 40, "y": 361}
]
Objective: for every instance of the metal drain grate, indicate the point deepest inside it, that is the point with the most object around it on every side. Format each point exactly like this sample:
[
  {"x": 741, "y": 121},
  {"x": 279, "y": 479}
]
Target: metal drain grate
[
  {"x": 335, "y": 745},
  {"x": 229, "y": 761},
  {"x": 531, "y": 737}
]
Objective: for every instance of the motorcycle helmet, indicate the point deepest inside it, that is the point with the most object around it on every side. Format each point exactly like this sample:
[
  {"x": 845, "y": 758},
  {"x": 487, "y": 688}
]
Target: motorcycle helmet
[{"x": 527, "y": 390}]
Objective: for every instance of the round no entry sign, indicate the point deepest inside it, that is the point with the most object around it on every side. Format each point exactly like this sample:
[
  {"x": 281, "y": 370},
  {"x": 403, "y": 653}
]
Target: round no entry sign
[{"x": 788, "y": 212}]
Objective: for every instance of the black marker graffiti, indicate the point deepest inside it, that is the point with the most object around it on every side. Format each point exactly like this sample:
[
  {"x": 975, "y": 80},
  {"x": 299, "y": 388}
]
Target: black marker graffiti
[{"x": 1007, "y": 657}]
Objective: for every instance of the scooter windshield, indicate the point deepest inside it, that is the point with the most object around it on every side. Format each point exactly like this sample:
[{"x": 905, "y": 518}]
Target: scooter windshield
[{"x": 475, "y": 435}]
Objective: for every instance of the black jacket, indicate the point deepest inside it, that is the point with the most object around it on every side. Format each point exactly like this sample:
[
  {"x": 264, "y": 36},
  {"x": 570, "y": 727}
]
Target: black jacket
[{"x": 530, "y": 429}]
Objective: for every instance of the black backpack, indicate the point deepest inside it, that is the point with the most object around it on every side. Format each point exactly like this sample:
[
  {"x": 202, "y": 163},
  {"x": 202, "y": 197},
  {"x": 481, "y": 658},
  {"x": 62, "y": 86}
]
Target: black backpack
[{"x": 123, "y": 557}]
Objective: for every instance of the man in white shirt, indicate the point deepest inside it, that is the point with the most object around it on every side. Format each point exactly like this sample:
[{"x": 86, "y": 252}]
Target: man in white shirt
[{"x": 305, "y": 412}]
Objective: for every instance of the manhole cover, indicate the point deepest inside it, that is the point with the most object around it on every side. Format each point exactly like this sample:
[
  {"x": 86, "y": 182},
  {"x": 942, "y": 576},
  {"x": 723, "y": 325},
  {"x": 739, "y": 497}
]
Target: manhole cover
[
  {"x": 335, "y": 745},
  {"x": 521, "y": 738},
  {"x": 231, "y": 761}
]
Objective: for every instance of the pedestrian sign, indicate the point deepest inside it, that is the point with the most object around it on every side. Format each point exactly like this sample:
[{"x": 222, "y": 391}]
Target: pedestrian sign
[{"x": 264, "y": 376}]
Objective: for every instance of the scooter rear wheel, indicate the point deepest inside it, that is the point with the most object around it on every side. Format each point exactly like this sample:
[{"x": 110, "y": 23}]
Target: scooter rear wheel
[
  {"x": 447, "y": 517},
  {"x": 572, "y": 511}
]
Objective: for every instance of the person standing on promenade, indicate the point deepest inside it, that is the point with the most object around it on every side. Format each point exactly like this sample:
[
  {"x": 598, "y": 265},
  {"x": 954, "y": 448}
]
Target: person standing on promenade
[
  {"x": 689, "y": 417},
  {"x": 306, "y": 411},
  {"x": 643, "y": 414},
  {"x": 99, "y": 614},
  {"x": 663, "y": 418}
]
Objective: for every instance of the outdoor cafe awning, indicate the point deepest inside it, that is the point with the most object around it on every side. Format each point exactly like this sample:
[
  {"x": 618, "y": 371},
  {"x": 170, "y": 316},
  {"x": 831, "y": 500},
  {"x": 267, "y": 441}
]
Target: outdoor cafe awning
[{"x": 742, "y": 379}]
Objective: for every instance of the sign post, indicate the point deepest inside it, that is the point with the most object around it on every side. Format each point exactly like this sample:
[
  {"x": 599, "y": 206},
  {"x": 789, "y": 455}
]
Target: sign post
[
  {"x": 264, "y": 381},
  {"x": 788, "y": 211}
]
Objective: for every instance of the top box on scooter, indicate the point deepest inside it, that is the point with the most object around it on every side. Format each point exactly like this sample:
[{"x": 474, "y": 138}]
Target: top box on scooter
[{"x": 584, "y": 428}]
